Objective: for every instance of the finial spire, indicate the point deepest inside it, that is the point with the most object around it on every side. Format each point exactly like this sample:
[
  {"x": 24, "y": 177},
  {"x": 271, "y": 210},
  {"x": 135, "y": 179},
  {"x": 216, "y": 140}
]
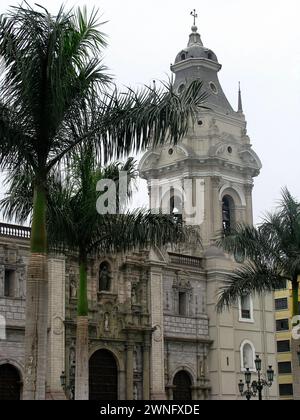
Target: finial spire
[
  {"x": 194, "y": 14},
  {"x": 195, "y": 36},
  {"x": 240, "y": 103}
]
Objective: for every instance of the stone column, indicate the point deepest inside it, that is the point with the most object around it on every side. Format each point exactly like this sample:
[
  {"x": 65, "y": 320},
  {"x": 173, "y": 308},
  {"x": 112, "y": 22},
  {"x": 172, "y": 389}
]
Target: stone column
[
  {"x": 216, "y": 207},
  {"x": 157, "y": 345},
  {"x": 129, "y": 371},
  {"x": 2, "y": 274},
  {"x": 146, "y": 371},
  {"x": 249, "y": 210},
  {"x": 122, "y": 385},
  {"x": 56, "y": 336}
]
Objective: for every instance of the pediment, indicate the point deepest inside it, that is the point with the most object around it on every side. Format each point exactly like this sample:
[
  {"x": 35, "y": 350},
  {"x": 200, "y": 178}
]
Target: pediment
[{"x": 249, "y": 157}]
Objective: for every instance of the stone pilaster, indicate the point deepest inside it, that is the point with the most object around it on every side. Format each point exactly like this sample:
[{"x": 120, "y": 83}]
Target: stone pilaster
[
  {"x": 129, "y": 371},
  {"x": 216, "y": 205},
  {"x": 2, "y": 274},
  {"x": 249, "y": 209},
  {"x": 56, "y": 336},
  {"x": 146, "y": 371},
  {"x": 157, "y": 347}
]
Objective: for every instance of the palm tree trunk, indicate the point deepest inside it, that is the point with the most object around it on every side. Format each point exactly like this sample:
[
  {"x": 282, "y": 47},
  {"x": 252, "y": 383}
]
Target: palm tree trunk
[
  {"x": 37, "y": 303},
  {"x": 82, "y": 337}
]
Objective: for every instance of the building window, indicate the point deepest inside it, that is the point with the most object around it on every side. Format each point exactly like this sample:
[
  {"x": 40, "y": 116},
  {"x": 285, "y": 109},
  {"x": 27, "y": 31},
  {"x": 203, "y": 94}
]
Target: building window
[
  {"x": 176, "y": 205},
  {"x": 282, "y": 325},
  {"x": 9, "y": 283},
  {"x": 281, "y": 304},
  {"x": 246, "y": 309},
  {"x": 281, "y": 285},
  {"x": 247, "y": 355},
  {"x": 182, "y": 303},
  {"x": 183, "y": 56},
  {"x": 227, "y": 213},
  {"x": 104, "y": 277},
  {"x": 285, "y": 390},
  {"x": 283, "y": 346},
  {"x": 284, "y": 367}
]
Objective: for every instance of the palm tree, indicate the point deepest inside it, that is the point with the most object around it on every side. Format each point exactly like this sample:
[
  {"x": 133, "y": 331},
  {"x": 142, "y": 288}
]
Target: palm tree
[
  {"x": 53, "y": 73},
  {"x": 74, "y": 225},
  {"x": 273, "y": 258},
  {"x": 273, "y": 254}
]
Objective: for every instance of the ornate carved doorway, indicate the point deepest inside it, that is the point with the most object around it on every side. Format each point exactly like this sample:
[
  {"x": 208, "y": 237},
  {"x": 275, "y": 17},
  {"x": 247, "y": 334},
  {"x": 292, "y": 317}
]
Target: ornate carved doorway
[
  {"x": 182, "y": 386},
  {"x": 10, "y": 383},
  {"x": 103, "y": 376}
]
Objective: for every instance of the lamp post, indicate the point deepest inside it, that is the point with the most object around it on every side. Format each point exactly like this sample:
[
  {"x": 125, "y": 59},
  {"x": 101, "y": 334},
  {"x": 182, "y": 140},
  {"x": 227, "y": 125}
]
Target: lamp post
[
  {"x": 256, "y": 387},
  {"x": 69, "y": 389}
]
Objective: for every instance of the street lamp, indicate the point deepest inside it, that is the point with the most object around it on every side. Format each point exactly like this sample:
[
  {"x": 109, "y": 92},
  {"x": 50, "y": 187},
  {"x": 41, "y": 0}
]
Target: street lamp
[
  {"x": 256, "y": 387},
  {"x": 258, "y": 363},
  {"x": 251, "y": 388}
]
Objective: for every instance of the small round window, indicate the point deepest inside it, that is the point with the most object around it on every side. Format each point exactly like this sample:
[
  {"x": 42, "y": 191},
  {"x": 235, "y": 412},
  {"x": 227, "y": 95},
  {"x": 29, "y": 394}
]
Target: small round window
[
  {"x": 181, "y": 88},
  {"x": 213, "y": 88},
  {"x": 229, "y": 149},
  {"x": 170, "y": 151}
]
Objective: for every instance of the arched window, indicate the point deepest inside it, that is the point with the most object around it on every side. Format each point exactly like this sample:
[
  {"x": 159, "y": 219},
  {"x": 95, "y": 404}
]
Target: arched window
[
  {"x": 227, "y": 212},
  {"x": 171, "y": 203},
  {"x": 247, "y": 356},
  {"x": 175, "y": 205},
  {"x": 104, "y": 277},
  {"x": 183, "y": 56}
]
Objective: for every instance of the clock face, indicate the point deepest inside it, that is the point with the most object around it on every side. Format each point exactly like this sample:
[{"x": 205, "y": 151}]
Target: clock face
[{"x": 239, "y": 257}]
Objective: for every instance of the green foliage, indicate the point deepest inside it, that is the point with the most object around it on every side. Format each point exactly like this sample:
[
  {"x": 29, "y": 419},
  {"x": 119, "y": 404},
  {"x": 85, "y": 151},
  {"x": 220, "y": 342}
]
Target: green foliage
[
  {"x": 74, "y": 224},
  {"x": 272, "y": 250},
  {"x": 56, "y": 93}
]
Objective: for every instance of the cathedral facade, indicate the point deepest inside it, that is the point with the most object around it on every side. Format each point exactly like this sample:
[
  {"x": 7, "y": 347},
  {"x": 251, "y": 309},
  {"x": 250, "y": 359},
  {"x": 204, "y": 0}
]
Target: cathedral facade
[{"x": 154, "y": 329}]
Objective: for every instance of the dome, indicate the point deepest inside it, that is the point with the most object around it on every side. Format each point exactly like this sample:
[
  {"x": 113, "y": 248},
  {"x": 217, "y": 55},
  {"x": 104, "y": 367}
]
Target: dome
[{"x": 195, "y": 49}]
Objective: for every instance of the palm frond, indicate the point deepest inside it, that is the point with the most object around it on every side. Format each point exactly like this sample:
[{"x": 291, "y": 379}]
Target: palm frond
[
  {"x": 249, "y": 279},
  {"x": 49, "y": 73},
  {"x": 272, "y": 250},
  {"x": 137, "y": 229}
]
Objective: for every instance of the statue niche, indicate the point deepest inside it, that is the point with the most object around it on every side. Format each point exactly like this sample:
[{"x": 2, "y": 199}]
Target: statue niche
[{"x": 104, "y": 277}]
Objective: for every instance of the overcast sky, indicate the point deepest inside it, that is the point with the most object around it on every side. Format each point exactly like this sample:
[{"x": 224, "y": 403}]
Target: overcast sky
[{"x": 256, "y": 41}]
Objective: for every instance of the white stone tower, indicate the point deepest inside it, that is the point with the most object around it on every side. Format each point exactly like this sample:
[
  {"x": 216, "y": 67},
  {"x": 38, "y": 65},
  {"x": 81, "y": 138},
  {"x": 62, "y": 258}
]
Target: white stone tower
[{"x": 216, "y": 155}]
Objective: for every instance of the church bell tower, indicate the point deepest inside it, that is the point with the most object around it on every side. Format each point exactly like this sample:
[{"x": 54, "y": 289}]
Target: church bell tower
[
  {"x": 216, "y": 152},
  {"x": 212, "y": 170}
]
